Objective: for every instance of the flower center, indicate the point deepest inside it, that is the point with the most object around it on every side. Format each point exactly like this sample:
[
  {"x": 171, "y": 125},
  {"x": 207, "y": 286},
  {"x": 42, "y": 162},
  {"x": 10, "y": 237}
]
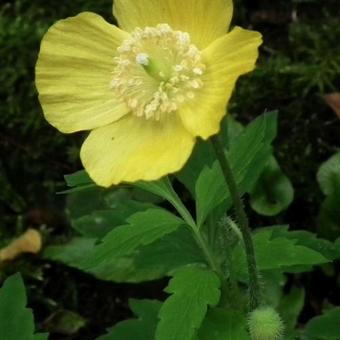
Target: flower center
[{"x": 157, "y": 69}]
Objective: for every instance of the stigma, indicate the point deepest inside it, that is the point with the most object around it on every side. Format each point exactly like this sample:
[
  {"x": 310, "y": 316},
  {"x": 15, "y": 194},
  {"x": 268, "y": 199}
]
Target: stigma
[
  {"x": 143, "y": 59},
  {"x": 157, "y": 70}
]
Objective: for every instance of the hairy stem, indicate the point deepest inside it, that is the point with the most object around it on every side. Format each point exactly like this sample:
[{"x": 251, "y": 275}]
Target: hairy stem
[{"x": 243, "y": 223}]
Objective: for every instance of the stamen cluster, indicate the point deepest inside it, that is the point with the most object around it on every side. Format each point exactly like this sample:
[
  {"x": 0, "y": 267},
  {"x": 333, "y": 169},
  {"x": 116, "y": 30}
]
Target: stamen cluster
[{"x": 156, "y": 70}]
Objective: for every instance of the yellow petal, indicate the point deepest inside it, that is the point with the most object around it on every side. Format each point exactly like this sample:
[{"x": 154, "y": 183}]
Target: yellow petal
[
  {"x": 226, "y": 59},
  {"x": 133, "y": 149},
  {"x": 204, "y": 20},
  {"x": 74, "y": 72}
]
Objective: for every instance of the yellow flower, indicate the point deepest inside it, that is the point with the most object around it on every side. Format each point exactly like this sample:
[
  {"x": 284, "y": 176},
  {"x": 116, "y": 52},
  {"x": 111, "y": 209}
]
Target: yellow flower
[{"x": 146, "y": 90}]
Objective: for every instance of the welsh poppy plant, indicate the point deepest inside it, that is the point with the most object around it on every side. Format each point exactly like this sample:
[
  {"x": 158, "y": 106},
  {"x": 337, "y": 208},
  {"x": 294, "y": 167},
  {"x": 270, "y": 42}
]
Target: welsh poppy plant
[{"x": 146, "y": 90}]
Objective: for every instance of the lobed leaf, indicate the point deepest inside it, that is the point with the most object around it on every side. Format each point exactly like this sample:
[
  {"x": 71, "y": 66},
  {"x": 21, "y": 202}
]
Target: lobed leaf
[
  {"x": 193, "y": 289},
  {"x": 223, "y": 324},
  {"x": 158, "y": 259},
  {"x": 99, "y": 222},
  {"x": 278, "y": 252},
  {"x": 309, "y": 240},
  {"x": 203, "y": 154},
  {"x": 72, "y": 253},
  {"x": 142, "y": 328},
  {"x": 142, "y": 229},
  {"x": 248, "y": 156},
  {"x": 16, "y": 321},
  {"x": 164, "y": 189}
]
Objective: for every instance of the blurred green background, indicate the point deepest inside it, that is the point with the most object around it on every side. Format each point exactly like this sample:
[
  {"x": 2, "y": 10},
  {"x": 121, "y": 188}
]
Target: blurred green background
[{"x": 299, "y": 64}]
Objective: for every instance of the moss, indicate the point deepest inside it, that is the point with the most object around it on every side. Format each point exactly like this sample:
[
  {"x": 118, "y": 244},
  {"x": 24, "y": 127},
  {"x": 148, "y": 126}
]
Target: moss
[
  {"x": 33, "y": 155},
  {"x": 299, "y": 63}
]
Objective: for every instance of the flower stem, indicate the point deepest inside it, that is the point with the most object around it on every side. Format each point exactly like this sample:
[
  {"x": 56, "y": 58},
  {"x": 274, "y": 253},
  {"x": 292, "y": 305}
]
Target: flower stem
[
  {"x": 206, "y": 251},
  {"x": 242, "y": 219},
  {"x": 199, "y": 238}
]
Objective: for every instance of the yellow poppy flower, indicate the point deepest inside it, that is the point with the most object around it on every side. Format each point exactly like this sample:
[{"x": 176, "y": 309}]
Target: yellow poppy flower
[{"x": 146, "y": 90}]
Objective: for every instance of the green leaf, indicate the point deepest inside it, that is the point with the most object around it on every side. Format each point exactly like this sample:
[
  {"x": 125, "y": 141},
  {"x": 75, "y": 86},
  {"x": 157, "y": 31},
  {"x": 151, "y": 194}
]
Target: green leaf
[
  {"x": 72, "y": 253},
  {"x": 290, "y": 308},
  {"x": 142, "y": 229},
  {"x": 142, "y": 328},
  {"x": 161, "y": 258},
  {"x": 151, "y": 262},
  {"x": 250, "y": 151},
  {"x": 223, "y": 324},
  {"x": 78, "y": 250},
  {"x": 83, "y": 203},
  {"x": 230, "y": 130},
  {"x": 328, "y": 175},
  {"x": 97, "y": 224},
  {"x": 337, "y": 247},
  {"x": 124, "y": 255},
  {"x": 276, "y": 253},
  {"x": 78, "y": 182},
  {"x": 248, "y": 155},
  {"x": 100, "y": 222},
  {"x": 16, "y": 321},
  {"x": 204, "y": 155},
  {"x": 329, "y": 216},
  {"x": 40, "y": 336},
  {"x": 76, "y": 189},
  {"x": 207, "y": 195},
  {"x": 326, "y": 326},
  {"x": 164, "y": 189},
  {"x": 193, "y": 289},
  {"x": 95, "y": 211},
  {"x": 273, "y": 191},
  {"x": 309, "y": 240},
  {"x": 272, "y": 283},
  {"x": 173, "y": 251},
  {"x": 77, "y": 179}
]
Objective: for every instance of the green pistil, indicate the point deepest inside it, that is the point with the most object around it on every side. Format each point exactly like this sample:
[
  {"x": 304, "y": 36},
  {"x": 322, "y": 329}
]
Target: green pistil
[{"x": 152, "y": 68}]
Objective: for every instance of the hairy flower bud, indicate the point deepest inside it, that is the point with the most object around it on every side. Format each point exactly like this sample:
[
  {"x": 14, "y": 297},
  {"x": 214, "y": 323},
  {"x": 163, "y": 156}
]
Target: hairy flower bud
[{"x": 265, "y": 324}]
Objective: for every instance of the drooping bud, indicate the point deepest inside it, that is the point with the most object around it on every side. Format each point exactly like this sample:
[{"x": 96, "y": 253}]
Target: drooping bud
[{"x": 265, "y": 324}]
